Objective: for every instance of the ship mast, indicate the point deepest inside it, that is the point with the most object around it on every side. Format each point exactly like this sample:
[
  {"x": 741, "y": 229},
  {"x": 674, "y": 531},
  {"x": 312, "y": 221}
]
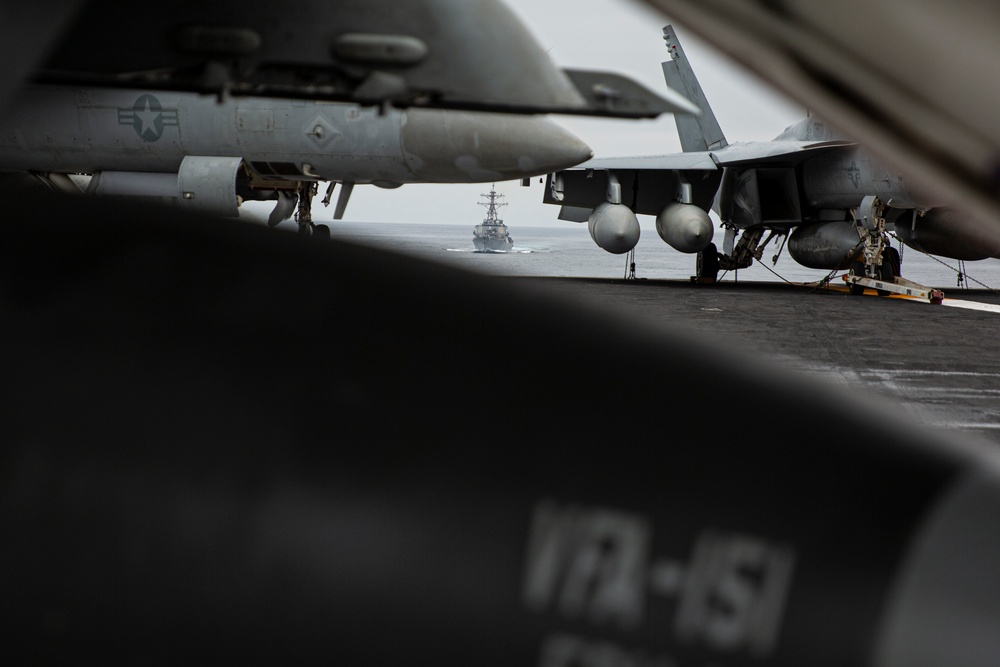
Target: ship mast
[{"x": 492, "y": 205}]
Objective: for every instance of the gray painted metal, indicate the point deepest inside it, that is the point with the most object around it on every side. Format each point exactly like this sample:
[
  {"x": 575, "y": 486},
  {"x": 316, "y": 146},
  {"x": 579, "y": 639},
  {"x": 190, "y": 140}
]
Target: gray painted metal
[
  {"x": 911, "y": 81},
  {"x": 63, "y": 129},
  {"x": 433, "y": 53},
  {"x": 492, "y": 235},
  {"x": 684, "y": 227},
  {"x": 209, "y": 183},
  {"x": 825, "y": 245},
  {"x": 502, "y": 242},
  {"x": 701, "y": 161},
  {"x": 277, "y": 142},
  {"x": 312, "y": 45},
  {"x": 696, "y": 133},
  {"x": 134, "y": 184},
  {"x": 933, "y": 233},
  {"x": 574, "y": 213},
  {"x": 808, "y": 174},
  {"x": 614, "y": 228}
]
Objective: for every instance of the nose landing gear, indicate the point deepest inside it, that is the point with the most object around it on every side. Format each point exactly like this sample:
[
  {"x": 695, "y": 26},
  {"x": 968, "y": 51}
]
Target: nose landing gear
[{"x": 878, "y": 268}]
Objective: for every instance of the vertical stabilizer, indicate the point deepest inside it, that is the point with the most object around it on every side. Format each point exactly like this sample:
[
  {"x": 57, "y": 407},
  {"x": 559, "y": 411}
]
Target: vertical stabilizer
[{"x": 700, "y": 132}]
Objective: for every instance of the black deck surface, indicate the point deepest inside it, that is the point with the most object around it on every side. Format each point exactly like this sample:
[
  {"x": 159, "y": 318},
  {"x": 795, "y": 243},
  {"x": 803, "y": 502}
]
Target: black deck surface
[{"x": 938, "y": 365}]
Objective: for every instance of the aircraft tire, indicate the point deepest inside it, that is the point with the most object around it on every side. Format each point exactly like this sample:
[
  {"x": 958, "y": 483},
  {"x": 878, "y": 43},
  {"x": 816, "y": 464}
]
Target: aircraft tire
[
  {"x": 321, "y": 232},
  {"x": 707, "y": 263},
  {"x": 887, "y": 271},
  {"x": 895, "y": 261}
]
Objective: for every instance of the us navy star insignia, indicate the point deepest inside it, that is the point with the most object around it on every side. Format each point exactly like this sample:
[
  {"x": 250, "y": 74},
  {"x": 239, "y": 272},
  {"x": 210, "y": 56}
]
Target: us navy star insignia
[
  {"x": 854, "y": 173},
  {"x": 148, "y": 117}
]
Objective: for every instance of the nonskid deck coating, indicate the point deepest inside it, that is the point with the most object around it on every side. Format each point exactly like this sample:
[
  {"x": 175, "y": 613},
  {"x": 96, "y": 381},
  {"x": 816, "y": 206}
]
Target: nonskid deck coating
[{"x": 937, "y": 365}]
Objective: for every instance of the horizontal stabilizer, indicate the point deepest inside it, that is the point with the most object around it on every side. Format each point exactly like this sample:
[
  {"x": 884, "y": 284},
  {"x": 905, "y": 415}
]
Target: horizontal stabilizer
[{"x": 610, "y": 94}]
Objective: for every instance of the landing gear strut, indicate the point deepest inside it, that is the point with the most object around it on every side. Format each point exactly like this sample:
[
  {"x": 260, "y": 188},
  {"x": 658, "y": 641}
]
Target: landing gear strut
[
  {"x": 878, "y": 267},
  {"x": 303, "y": 217},
  {"x": 745, "y": 251},
  {"x": 879, "y": 261}
]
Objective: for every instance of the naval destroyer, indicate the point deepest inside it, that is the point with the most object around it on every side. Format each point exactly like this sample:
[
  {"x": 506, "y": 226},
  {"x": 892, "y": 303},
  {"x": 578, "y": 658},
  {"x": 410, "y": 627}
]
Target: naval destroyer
[{"x": 492, "y": 236}]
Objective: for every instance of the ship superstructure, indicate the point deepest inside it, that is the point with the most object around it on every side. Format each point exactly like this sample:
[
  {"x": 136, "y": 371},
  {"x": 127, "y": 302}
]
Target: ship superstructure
[{"x": 491, "y": 235}]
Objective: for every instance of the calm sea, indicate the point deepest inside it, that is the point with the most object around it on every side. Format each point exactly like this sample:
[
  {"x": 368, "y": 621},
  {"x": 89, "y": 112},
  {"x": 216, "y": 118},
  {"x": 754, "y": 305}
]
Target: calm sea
[{"x": 569, "y": 251}]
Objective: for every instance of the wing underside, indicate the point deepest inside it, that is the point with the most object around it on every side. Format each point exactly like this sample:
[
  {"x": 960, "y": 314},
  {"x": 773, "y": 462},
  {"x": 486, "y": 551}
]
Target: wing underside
[{"x": 649, "y": 183}]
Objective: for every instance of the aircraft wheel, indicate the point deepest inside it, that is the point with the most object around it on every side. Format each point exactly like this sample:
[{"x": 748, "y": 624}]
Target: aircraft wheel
[
  {"x": 887, "y": 272},
  {"x": 707, "y": 263},
  {"x": 894, "y": 260},
  {"x": 321, "y": 232},
  {"x": 857, "y": 269}
]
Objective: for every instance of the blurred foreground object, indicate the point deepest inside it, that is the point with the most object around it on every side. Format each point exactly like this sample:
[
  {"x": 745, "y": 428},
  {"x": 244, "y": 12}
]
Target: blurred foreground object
[
  {"x": 445, "y": 54},
  {"x": 225, "y": 442}
]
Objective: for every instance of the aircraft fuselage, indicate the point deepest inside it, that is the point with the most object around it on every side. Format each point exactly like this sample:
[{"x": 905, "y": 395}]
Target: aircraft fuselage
[{"x": 76, "y": 130}]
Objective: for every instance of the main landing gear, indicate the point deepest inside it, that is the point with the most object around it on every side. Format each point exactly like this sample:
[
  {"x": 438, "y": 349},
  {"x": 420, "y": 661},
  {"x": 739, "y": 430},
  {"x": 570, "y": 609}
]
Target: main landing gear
[
  {"x": 303, "y": 217},
  {"x": 710, "y": 261},
  {"x": 301, "y": 198},
  {"x": 707, "y": 265}
]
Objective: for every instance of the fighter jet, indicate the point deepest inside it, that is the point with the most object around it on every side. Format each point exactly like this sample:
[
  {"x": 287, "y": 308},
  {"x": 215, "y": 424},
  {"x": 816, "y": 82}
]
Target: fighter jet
[
  {"x": 913, "y": 82},
  {"x": 828, "y": 198},
  {"x": 185, "y": 479},
  {"x": 445, "y": 54},
  {"x": 228, "y": 109},
  {"x": 213, "y": 156}
]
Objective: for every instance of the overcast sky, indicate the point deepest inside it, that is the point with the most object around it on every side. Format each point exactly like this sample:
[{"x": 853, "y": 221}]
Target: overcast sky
[{"x": 617, "y": 35}]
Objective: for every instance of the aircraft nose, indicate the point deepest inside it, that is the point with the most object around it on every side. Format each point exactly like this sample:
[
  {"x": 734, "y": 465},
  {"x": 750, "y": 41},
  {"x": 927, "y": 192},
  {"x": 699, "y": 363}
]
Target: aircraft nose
[{"x": 467, "y": 147}]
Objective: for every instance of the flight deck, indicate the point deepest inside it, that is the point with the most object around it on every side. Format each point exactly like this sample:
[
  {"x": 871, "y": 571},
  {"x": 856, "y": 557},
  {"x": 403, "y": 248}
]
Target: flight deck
[{"x": 936, "y": 364}]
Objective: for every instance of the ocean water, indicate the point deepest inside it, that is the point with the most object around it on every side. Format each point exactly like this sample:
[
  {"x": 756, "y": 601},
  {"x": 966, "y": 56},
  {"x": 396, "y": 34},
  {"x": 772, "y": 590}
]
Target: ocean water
[{"x": 568, "y": 250}]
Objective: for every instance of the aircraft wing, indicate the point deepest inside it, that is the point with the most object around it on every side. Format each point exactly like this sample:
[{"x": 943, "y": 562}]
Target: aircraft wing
[
  {"x": 646, "y": 184},
  {"x": 233, "y": 528},
  {"x": 765, "y": 152},
  {"x": 733, "y": 155},
  {"x": 700, "y": 160},
  {"x": 363, "y": 51},
  {"x": 656, "y": 180}
]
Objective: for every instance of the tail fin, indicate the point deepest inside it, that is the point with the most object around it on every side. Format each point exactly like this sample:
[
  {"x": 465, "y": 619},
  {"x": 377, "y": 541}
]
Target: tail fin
[{"x": 700, "y": 132}]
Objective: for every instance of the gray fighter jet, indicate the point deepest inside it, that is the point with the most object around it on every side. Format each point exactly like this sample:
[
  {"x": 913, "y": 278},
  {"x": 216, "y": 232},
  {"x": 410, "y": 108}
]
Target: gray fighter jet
[
  {"x": 187, "y": 480},
  {"x": 212, "y": 156},
  {"x": 827, "y": 197},
  {"x": 446, "y": 54},
  {"x": 265, "y": 107},
  {"x": 912, "y": 81}
]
